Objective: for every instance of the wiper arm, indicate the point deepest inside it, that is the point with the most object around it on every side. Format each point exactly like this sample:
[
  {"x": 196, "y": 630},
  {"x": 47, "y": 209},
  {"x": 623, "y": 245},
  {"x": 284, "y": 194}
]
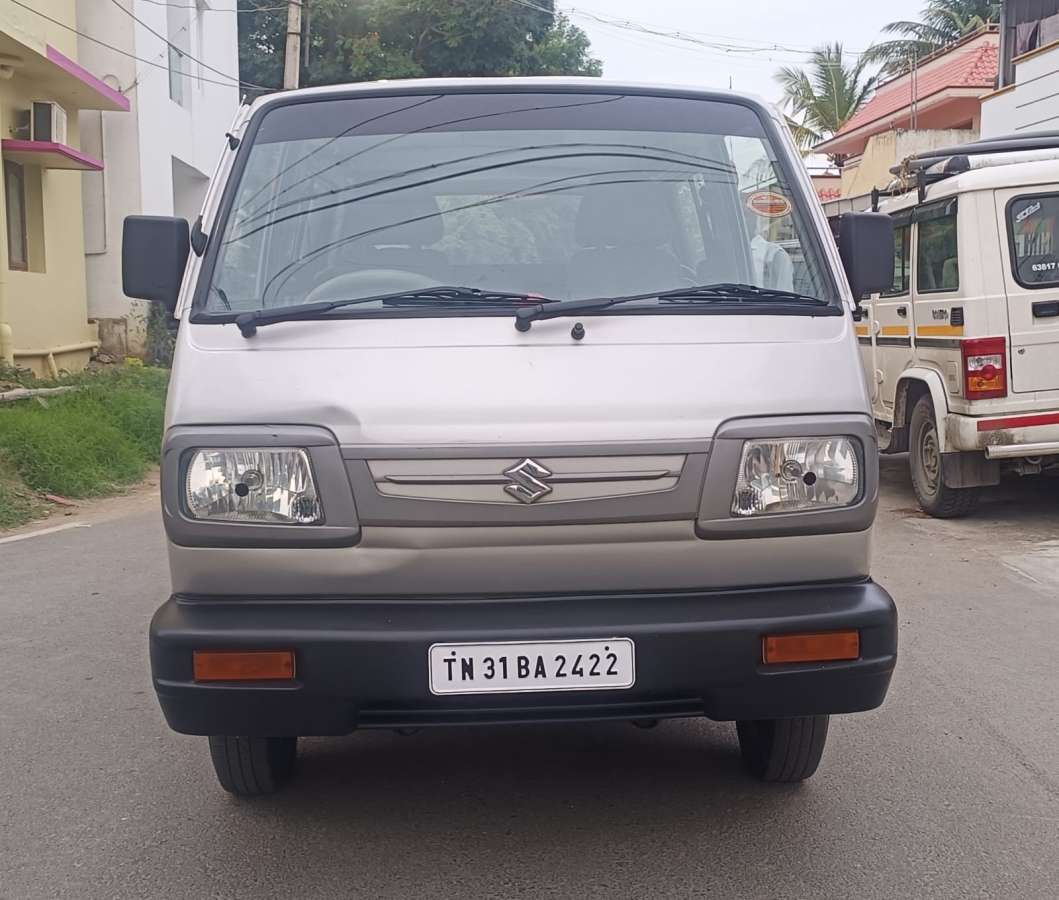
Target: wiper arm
[
  {"x": 249, "y": 322},
  {"x": 722, "y": 292}
]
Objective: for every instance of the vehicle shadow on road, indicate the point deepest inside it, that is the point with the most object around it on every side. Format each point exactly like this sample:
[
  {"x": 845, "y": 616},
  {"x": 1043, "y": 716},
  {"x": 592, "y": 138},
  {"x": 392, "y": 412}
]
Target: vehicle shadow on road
[
  {"x": 1031, "y": 501},
  {"x": 531, "y": 783}
]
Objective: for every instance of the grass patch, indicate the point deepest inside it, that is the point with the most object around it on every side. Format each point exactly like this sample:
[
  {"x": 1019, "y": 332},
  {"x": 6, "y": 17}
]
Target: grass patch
[
  {"x": 18, "y": 504},
  {"x": 86, "y": 443}
]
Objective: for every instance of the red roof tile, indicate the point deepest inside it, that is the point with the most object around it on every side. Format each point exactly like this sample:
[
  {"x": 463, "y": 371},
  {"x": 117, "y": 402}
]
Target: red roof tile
[{"x": 974, "y": 68}]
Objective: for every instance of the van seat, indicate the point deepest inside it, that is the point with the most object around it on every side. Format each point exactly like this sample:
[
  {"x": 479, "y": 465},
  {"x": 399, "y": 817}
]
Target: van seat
[
  {"x": 397, "y": 233},
  {"x": 624, "y": 232}
]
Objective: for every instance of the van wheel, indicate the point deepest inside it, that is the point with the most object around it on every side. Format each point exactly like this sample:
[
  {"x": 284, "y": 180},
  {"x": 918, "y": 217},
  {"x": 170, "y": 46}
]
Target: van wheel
[
  {"x": 924, "y": 460},
  {"x": 783, "y": 750},
  {"x": 252, "y": 766}
]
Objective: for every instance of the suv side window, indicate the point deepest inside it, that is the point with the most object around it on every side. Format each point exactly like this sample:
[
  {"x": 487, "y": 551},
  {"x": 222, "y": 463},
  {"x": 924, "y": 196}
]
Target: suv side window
[
  {"x": 902, "y": 258},
  {"x": 937, "y": 259},
  {"x": 1032, "y": 224}
]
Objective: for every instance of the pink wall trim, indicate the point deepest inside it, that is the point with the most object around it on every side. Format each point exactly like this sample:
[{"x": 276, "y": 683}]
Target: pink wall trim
[
  {"x": 9, "y": 145},
  {"x": 83, "y": 75}
]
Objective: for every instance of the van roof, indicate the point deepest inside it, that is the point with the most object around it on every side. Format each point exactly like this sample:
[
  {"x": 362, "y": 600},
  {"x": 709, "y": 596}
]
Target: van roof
[
  {"x": 1038, "y": 172},
  {"x": 542, "y": 83}
]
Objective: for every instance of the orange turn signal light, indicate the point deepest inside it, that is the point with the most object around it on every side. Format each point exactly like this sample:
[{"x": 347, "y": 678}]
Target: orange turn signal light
[
  {"x": 244, "y": 665},
  {"x": 829, "y": 646}
]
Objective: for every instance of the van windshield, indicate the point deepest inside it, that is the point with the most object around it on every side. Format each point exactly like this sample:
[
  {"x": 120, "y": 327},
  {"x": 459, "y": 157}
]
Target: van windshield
[{"x": 560, "y": 195}]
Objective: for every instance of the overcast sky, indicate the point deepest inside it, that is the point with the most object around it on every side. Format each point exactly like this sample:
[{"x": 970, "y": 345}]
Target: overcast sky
[{"x": 796, "y": 24}]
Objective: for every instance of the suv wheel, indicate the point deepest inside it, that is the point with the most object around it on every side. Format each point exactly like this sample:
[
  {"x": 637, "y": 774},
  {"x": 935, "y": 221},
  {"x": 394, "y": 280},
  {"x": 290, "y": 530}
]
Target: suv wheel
[
  {"x": 783, "y": 750},
  {"x": 252, "y": 766},
  {"x": 924, "y": 461}
]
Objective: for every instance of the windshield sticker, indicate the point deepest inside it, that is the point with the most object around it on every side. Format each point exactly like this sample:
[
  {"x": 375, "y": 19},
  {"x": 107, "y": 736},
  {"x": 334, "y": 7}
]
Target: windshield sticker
[
  {"x": 769, "y": 204},
  {"x": 1027, "y": 212}
]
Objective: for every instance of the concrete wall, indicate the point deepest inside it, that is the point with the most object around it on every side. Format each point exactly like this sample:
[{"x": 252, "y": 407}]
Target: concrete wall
[
  {"x": 872, "y": 169},
  {"x": 112, "y": 193},
  {"x": 45, "y": 308},
  {"x": 1032, "y": 104},
  {"x": 160, "y": 155}
]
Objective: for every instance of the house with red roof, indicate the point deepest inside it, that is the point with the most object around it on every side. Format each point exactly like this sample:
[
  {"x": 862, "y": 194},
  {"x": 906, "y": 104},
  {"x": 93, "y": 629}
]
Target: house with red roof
[{"x": 938, "y": 103}]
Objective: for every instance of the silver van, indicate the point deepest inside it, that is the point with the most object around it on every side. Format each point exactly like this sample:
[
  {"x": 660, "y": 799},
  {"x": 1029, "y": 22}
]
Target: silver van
[{"x": 509, "y": 401}]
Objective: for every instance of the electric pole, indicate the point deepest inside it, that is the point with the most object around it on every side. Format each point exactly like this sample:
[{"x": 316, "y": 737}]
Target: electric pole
[{"x": 292, "y": 58}]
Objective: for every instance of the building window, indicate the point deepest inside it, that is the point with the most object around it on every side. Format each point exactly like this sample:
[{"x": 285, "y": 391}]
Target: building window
[
  {"x": 178, "y": 34},
  {"x": 17, "y": 237},
  {"x": 176, "y": 76}
]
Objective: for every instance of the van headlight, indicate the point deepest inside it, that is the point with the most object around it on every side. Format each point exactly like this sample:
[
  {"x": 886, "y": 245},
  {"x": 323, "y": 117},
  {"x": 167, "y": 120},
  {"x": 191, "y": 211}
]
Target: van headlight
[
  {"x": 263, "y": 486},
  {"x": 797, "y": 475}
]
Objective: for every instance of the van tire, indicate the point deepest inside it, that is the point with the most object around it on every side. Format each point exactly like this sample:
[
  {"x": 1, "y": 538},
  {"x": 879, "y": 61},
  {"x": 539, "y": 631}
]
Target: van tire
[
  {"x": 935, "y": 497},
  {"x": 782, "y": 750},
  {"x": 253, "y": 766}
]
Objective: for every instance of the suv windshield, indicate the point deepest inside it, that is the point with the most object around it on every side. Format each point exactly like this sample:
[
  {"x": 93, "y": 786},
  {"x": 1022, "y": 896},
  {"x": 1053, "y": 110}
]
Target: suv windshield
[{"x": 557, "y": 195}]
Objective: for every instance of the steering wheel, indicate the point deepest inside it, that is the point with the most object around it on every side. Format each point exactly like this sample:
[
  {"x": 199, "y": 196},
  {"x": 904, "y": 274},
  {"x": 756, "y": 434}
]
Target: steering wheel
[{"x": 365, "y": 282}]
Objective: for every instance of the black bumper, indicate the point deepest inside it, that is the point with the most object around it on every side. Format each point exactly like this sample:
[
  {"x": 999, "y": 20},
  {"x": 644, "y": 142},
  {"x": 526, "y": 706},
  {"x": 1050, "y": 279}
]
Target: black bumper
[{"x": 363, "y": 663}]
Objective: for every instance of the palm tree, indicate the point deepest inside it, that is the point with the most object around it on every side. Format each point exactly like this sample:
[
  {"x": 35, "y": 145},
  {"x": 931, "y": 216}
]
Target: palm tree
[
  {"x": 824, "y": 95},
  {"x": 943, "y": 21}
]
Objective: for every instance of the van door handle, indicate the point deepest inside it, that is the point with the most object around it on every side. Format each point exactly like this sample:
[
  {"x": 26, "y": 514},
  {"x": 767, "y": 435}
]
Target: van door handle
[
  {"x": 1046, "y": 309},
  {"x": 902, "y": 311}
]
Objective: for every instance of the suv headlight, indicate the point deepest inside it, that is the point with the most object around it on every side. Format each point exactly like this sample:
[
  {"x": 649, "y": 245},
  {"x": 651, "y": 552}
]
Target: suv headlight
[
  {"x": 796, "y": 475},
  {"x": 262, "y": 486}
]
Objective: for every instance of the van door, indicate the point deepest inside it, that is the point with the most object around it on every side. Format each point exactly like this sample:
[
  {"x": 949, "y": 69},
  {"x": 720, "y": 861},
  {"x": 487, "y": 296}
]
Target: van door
[
  {"x": 1030, "y": 229},
  {"x": 892, "y": 312}
]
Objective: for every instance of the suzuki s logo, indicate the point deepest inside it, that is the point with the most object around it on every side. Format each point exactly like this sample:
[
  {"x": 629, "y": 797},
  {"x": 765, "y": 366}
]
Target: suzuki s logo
[{"x": 527, "y": 482}]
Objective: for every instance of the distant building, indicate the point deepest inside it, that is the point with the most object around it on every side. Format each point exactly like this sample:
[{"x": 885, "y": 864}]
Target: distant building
[
  {"x": 1027, "y": 96},
  {"x": 936, "y": 104},
  {"x": 43, "y": 86},
  {"x": 159, "y": 158},
  {"x": 828, "y": 185}
]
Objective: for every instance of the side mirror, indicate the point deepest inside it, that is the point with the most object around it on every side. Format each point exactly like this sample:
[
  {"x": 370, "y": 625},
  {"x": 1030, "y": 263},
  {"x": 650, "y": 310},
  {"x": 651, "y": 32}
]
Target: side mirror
[
  {"x": 154, "y": 252},
  {"x": 866, "y": 245}
]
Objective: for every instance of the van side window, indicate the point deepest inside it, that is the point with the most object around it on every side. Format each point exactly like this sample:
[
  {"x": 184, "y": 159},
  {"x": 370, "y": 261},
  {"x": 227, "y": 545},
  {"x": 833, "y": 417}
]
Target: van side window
[
  {"x": 902, "y": 259},
  {"x": 937, "y": 260},
  {"x": 1031, "y": 229}
]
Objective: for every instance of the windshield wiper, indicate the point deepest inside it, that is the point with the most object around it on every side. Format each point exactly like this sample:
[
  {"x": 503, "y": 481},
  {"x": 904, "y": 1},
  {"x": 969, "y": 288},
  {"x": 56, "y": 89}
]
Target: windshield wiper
[
  {"x": 722, "y": 292},
  {"x": 443, "y": 295}
]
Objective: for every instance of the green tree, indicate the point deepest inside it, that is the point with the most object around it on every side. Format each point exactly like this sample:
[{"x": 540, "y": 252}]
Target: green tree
[
  {"x": 942, "y": 22},
  {"x": 825, "y": 94},
  {"x": 370, "y": 39}
]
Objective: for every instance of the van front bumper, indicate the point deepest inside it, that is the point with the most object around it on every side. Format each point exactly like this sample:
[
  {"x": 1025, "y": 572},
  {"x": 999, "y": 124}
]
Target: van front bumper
[{"x": 362, "y": 663}]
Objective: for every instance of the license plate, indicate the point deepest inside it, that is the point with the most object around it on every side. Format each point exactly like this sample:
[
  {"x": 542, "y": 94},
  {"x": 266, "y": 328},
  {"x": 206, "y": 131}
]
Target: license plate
[{"x": 516, "y": 666}]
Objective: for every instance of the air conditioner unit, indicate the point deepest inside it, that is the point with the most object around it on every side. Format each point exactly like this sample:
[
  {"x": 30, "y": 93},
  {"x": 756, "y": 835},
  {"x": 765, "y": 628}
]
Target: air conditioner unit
[{"x": 47, "y": 122}]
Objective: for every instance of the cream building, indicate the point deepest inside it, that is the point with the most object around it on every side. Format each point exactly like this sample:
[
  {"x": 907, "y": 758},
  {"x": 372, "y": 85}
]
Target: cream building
[{"x": 43, "y": 308}]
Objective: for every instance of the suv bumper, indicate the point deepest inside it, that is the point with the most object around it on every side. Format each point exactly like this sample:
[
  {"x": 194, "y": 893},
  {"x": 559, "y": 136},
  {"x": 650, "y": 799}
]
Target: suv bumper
[
  {"x": 1005, "y": 437},
  {"x": 363, "y": 663}
]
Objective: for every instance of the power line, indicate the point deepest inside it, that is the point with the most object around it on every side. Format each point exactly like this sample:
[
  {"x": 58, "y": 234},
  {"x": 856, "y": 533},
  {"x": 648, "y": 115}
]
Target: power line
[
  {"x": 139, "y": 75},
  {"x": 727, "y": 46},
  {"x": 173, "y": 46},
  {"x": 119, "y": 50},
  {"x": 641, "y": 40},
  {"x": 226, "y": 9}
]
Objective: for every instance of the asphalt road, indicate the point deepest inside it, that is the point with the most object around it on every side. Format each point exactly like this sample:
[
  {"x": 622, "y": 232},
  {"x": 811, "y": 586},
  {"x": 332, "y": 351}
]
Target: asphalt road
[{"x": 950, "y": 790}]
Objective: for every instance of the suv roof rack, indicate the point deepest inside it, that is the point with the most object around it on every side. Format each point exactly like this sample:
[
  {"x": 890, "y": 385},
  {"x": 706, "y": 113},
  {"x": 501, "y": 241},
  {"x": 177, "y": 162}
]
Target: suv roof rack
[
  {"x": 953, "y": 155},
  {"x": 1009, "y": 143},
  {"x": 932, "y": 166}
]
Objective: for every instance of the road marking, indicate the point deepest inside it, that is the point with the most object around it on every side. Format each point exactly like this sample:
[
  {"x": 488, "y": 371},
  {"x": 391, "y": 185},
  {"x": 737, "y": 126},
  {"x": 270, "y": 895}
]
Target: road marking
[{"x": 43, "y": 531}]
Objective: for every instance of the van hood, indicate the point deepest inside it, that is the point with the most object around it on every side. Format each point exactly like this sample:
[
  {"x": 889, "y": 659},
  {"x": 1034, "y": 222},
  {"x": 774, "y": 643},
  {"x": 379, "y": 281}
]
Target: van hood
[{"x": 476, "y": 380}]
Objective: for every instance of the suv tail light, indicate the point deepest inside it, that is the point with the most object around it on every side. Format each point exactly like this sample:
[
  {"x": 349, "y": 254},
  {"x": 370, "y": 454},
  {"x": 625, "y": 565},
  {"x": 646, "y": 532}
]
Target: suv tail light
[{"x": 985, "y": 368}]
